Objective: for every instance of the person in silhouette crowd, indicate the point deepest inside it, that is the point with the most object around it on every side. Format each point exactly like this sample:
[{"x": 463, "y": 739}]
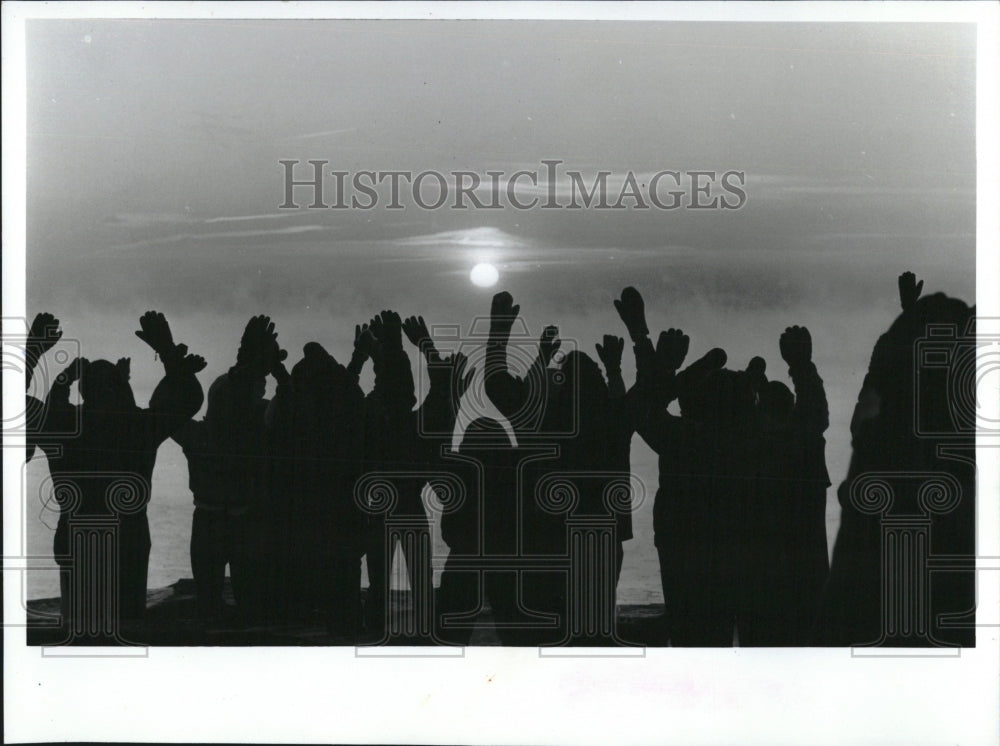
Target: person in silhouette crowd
[
  {"x": 482, "y": 531},
  {"x": 587, "y": 421},
  {"x": 406, "y": 445},
  {"x": 655, "y": 388},
  {"x": 907, "y": 431},
  {"x": 315, "y": 425},
  {"x": 785, "y": 551},
  {"x": 43, "y": 335},
  {"x": 104, "y": 465},
  {"x": 226, "y": 455},
  {"x": 388, "y": 413},
  {"x": 704, "y": 460}
]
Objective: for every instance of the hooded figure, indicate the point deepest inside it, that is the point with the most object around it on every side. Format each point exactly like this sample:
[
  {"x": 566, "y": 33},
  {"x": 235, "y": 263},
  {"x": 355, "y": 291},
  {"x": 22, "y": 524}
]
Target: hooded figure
[
  {"x": 593, "y": 432},
  {"x": 101, "y": 479},
  {"x": 227, "y": 472},
  {"x": 785, "y": 551},
  {"x": 682, "y": 523},
  {"x": 909, "y": 434},
  {"x": 315, "y": 431},
  {"x": 482, "y": 524}
]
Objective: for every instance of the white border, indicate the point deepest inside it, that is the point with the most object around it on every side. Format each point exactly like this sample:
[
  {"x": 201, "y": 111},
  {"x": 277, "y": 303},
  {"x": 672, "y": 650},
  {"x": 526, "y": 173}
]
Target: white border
[{"x": 494, "y": 695}]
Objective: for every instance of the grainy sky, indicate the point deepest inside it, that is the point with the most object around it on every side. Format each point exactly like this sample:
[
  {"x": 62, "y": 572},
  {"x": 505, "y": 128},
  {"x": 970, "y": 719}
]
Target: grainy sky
[{"x": 154, "y": 178}]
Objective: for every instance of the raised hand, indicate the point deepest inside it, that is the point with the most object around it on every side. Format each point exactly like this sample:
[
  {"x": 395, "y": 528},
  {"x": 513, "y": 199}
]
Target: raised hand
[
  {"x": 155, "y": 331},
  {"x": 549, "y": 343},
  {"x": 375, "y": 327},
  {"x": 610, "y": 352},
  {"x": 43, "y": 335},
  {"x": 392, "y": 330},
  {"x": 632, "y": 311},
  {"x": 503, "y": 312},
  {"x": 671, "y": 349},
  {"x": 909, "y": 290},
  {"x": 259, "y": 350},
  {"x": 364, "y": 341},
  {"x": 193, "y": 363},
  {"x": 417, "y": 332},
  {"x": 796, "y": 346}
]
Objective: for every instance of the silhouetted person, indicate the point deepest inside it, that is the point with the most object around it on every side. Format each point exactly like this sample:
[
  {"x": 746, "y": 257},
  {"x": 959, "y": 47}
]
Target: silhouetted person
[
  {"x": 389, "y": 447},
  {"x": 785, "y": 552},
  {"x": 227, "y": 470},
  {"x": 481, "y": 533},
  {"x": 692, "y": 534},
  {"x": 913, "y": 455},
  {"x": 706, "y": 461},
  {"x": 43, "y": 335},
  {"x": 104, "y": 470},
  {"x": 616, "y": 447},
  {"x": 587, "y": 423},
  {"x": 315, "y": 428},
  {"x": 530, "y": 405}
]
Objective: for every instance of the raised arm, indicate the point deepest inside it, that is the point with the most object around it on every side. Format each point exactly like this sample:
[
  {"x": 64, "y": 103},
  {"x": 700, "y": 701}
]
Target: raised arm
[
  {"x": 178, "y": 396},
  {"x": 42, "y": 337},
  {"x": 656, "y": 386},
  {"x": 610, "y": 353},
  {"x": 449, "y": 380},
  {"x": 393, "y": 375},
  {"x": 506, "y": 391},
  {"x": 909, "y": 290},
  {"x": 364, "y": 343},
  {"x": 811, "y": 413}
]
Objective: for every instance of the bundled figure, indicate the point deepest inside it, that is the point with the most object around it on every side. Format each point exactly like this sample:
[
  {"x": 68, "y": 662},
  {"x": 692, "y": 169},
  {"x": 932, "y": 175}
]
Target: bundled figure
[
  {"x": 785, "y": 560},
  {"x": 705, "y": 465},
  {"x": 656, "y": 387},
  {"x": 482, "y": 535},
  {"x": 315, "y": 426},
  {"x": 43, "y": 335},
  {"x": 910, "y": 486},
  {"x": 102, "y": 472},
  {"x": 576, "y": 502},
  {"x": 227, "y": 468},
  {"x": 404, "y": 447}
]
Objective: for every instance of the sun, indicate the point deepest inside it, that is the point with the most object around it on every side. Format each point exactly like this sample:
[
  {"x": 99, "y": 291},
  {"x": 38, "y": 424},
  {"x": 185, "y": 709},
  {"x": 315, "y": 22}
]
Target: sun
[{"x": 484, "y": 275}]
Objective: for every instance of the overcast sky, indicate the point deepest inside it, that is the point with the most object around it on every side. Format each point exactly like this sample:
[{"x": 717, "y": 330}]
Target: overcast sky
[{"x": 154, "y": 178}]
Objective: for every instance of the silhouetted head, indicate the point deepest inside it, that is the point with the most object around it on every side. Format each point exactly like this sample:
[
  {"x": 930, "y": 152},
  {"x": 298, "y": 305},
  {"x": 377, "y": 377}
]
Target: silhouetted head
[
  {"x": 889, "y": 386},
  {"x": 727, "y": 398},
  {"x": 776, "y": 405},
  {"x": 105, "y": 386},
  {"x": 227, "y": 399},
  {"x": 582, "y": 375},
  {"x": 691, "y": 383},
  {"x": 317, "y": 368},
  {"x": 315, "y": 378}
]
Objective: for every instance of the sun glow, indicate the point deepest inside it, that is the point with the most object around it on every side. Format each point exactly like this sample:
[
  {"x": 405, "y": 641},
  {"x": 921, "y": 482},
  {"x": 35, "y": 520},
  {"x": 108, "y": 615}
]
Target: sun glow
[{"x": 484, "y": 275}]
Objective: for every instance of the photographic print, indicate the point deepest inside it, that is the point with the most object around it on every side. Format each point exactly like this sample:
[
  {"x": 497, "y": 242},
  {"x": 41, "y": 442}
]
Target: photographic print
[{"x": 395, "y": 338}]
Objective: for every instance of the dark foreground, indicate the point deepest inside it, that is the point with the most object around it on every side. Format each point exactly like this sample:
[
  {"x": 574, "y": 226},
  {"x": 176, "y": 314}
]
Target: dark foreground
[{"x": 171, "y": 622}]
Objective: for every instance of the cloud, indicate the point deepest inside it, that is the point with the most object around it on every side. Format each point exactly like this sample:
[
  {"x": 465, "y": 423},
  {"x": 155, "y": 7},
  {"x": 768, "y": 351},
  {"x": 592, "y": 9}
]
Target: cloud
[
  {"x": 324, "y": 133},
  {"x": 220, "y": 236}
]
